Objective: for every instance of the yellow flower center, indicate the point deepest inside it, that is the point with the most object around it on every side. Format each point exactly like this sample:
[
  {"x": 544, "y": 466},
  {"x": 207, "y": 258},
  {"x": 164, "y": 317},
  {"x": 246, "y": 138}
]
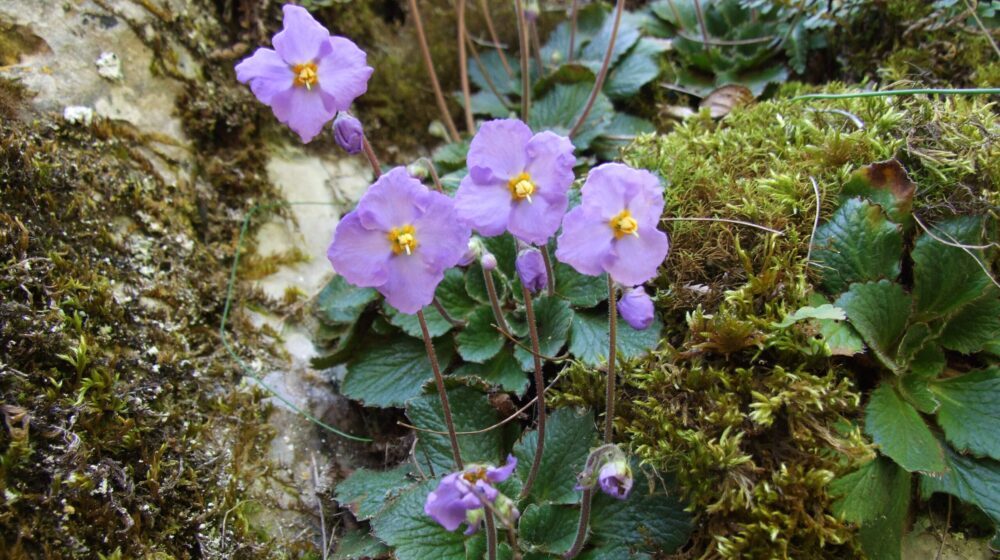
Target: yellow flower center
[
  {"x": 403, "y": 239},
  {"x": 471, "y": 476},
  {"x": 624, "y": 224},
  {"x": 305, "y": 75},
  {"x": 521, "y": 187}
]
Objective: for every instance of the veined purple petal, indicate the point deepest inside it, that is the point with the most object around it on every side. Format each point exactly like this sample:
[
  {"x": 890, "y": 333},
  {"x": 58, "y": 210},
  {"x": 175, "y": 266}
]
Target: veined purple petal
[
  {"x": 585, "y": 241},
  {"x": 500, "y": 474},
  {"x": 441, "y": 238},
  {"x": 396, "y": 199},
  {"x": 550, "y": 165},
  {"x": 531, "y": 270},
  {"x": 301, "y": 38},
  {"x": 485, "y": 208},
  {"x": 410, "y": 283},
  {"x": 636, "y": 307},
  {"x": 348, "y": 133},
  {"x": 499, "y": 147},
  {"x": 343, "y": 72},
  {"x": 536, "y": 221},
  {"x": 445, "y": 505},
  {"x": 303, "y": 110},
  {"x": 267, "y": 74},
  {"x": 615, "y": 479},
  {"x": 359, "y": 254},
  {"x": 634, "y": 260}
]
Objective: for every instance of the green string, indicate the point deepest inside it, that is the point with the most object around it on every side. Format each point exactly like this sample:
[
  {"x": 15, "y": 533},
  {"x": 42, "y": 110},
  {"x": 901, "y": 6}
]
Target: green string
[
  {"x": 886, "y": 93},
  {"x": 231, "y": 288}
]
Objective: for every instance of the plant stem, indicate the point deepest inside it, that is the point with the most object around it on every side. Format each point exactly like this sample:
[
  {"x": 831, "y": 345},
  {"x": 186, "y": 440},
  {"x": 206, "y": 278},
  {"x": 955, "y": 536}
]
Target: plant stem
[
  {"x": 582, "y": 525},
  {"x": 482, "y": 70},
  {"x": 551, "y": 290},
  {"x": 572, "y": 30},
  {"x": 491, "y": 289},
  {"x": 447, "y": 316},
  {"x": 529, "y": 310},
  {"x": 463, "y": 69},
  {"x": 439, "y": 380},
  {"x": 609, "y": 395},
  {"x": 494, "y": 38},
  {"x": 491, "y": 535},
  {"x": 425, "y": 51},
  {"x": 372, "y": 158},
  {"x": 619, "y": 8},
  {"x": 887, "y": 93},
  {"x": 533, "y": 26},
  {"x": 522, "y": 32},
  {"x": 701, "y": 23}
]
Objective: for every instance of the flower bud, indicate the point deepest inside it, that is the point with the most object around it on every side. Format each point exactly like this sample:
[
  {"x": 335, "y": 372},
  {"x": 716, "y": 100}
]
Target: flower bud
[
  {"x": 615, "y": 478},
  {"x": 636, "y": 307},
  {"x": 531, "y": 10},
  {"x": 473, "y": 251},
  {"x": 531, "y": 269},
  {"x": 348, "y": 133},
  {"x": 488, "y": 262},
  {"x": 418, "y": 170}
]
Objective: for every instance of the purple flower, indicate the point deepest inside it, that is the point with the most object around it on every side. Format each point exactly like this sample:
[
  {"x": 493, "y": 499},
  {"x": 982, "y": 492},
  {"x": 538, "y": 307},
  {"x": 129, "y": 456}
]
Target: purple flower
[
  {"x": 615, "y": 479},
  {"x": 399, "y": 240},
  {"x": 348, "y": 133},
  {"x": 460, "y": 495},
  {"x": 636, "y": 308},
  {"x": 516, "y": 182},
  {"x": 613, "y": 229},
  {"x": 308, "y": 76},
  {"x": 531, "y": 269}
]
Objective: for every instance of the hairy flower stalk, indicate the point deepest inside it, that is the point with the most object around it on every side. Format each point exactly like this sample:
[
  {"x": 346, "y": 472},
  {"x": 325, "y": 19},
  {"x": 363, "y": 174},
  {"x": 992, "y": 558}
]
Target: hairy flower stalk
[
  {"x": 522, "y": 33},
  {"x": 456, "y": 452},
  {"x": 491, "y": 290},
  {"x": 483, "y": 4},
  {"x": 605, "y": 66}
]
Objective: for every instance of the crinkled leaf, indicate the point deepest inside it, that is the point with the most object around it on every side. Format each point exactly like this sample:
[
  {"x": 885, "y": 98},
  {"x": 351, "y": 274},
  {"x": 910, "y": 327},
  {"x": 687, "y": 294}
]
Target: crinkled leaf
[
  {"x": 639, "y": 67},
  {"x": 945, "y": 278},
  {"x": 620, "y": 132},
  {"x": 359, "y": 544},
  {"x": 915, "y": 337},
  {"x": 581, "y": 290},
  {"x": 451, "y": 156},
  {"x": 974, "y": 481},
  {"x": 502, "y": 370},
  {"x": 917, "y": 391},
  {"x": 489, "y": 61},
  {"x": 590, "y": 340},
  {"x": 887, "y": 184},
  {"x": 900, "y": 432},
  {"x": 548, "y": 528},
  {"x": 341, "y": 303},
  {"x": 554, "y": 317},
  {"x": 485, "y": 102},
  {"x": 568, "y": 439},
  {"x": 365, "y": 492},
  {"x": 436, "y": 324},
  {"x": 504, "y": 248},
  {"x": 475, "y": 284},
  {"x": 840, "y": 337},
  {"x": 479, "y": 340},
  {"x": 974, "y": 327},
  {"x": 559, "y": 110},
  {"x": 970, "y": 411},
  {"x": 876, "y": 497},
  {"x": 628, "y": 34},
  {"x": 390, "y": 371},
  {"x": 470, "y": 410},
  {"x": 405, "y": 527},
  {"x": 858, "y": 244},
  {"x": 878, "y": 311},
  {"x": 825, "y": 311}
]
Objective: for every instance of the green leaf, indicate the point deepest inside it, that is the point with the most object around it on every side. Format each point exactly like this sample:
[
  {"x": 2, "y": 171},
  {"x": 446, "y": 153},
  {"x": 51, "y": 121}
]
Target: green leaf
[
  {"x": 479, "y": 340},
  {"x": 365, "y": 492},
  {"x": 485, "y": 102},
  {"x": 554, "y": 318},
  {"x": 825, "y": 311},
  {"x": 581, "y": 290},
  {"x": 494, "y": 68},
  {"x": 928, "y": 362},
  {"x": 876, "y": 497},
  {"x": 470, "y": 410},
  {"x": 970, "y": 411},
  {"x": 558, "y": 111},
  {"x": 974, "y": 327},
  {"x": 858, "y": 244},
  {"x": 502, "y": 370},
  {"x": 887, "y": 184},
  {"x": 945, "y": 278},
  {"x": 901, "y": 433},
  {"x": 639, "y": 67},
  {"x": 917, "y": 391},
  {"x": 359, "y": 544},
  {"x": 475, "y": 284},
  {"x": 645, "y": 522},
  {"x": 450, "y": 157},
  {"x": 504, "y": 248},
  {"x": 589, "y": 340},
  {"x": 568, "y": 439},
  {"x": 390, "y": 371},
  {"x": 342, "y": 303},
  {"x": 548, "y": 528},
  {"x": 841, "y": 338},
  {"x": 620, "y": 132},
  {"x": 436, "y": 324},
  {"x": 974, "y": 481},
  {"x": 452, "y": 295},
  {"x": 404, "y": 526},
  {"x": 628, "y": 34},
  {"x": 878, "y": 311}
]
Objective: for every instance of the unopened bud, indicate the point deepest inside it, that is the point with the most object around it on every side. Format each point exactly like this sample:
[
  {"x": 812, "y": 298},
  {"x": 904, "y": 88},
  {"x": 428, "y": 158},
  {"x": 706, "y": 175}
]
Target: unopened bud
[
  {"x": 348, "y": 133},
  {"x": 488, "y": 261}
]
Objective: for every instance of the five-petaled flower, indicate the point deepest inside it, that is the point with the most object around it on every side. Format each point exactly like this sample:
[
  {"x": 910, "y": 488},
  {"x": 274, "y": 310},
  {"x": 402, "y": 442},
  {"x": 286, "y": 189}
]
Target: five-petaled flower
[
  {"x": 613, "y": 229},
  {"x": 400, "y": 240},
  {"x": 461, "y": 496},
  {"x": 517, "y": 181},
  {"x": 308, "y": 76}
]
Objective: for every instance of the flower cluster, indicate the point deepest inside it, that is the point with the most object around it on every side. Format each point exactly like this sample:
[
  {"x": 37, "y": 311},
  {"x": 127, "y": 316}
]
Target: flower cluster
[{"x": 462, "y": 496}]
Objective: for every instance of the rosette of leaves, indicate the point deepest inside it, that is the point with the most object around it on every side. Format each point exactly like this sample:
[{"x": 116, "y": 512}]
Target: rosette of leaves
[
  {"x": 393, "y": 501},
  {"x": 927, "y": 319},
  {"x": 562, "y": 84},
  {"x": 752, "y": 43}
]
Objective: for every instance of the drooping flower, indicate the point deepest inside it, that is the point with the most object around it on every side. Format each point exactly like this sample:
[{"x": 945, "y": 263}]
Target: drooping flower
[
  {"x": 636, "y": 308},
  {"x": 460, "y": 496},
  {"x": 308, "y": 76},
  {"x": 531, "y": 269},
  {"x": 517, "y": 181},
  {"x": 348, "y": 133},
  {"x": 615, "y": 478},
  {"x": 614, "y": 229},
  {"x": 399, "y": 240}
]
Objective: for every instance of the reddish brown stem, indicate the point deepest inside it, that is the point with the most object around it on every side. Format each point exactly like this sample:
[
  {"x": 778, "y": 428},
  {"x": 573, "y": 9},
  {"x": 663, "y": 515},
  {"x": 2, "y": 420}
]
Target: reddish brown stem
[
  {"x": 522, "y": 32},
  {"x": 372, "y": 158},
  {"x": 463, "y": 69},
  {"x": 529, "y": 310},
  {"x": 493, "y": 37},
  {"x": 425, "y": 51},
  {"x": 572, "y": 30},
  {"x": 442, "y": 394},
  {"x": 619, "y": 8}
]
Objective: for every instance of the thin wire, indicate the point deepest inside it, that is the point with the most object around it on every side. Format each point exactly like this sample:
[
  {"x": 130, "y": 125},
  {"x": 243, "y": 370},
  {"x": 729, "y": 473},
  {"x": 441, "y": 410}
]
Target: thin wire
[
  {"x": 726, "y": 220},
  {"x": 230, "y": 290},
  {"x": 930, "y": 91}
]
